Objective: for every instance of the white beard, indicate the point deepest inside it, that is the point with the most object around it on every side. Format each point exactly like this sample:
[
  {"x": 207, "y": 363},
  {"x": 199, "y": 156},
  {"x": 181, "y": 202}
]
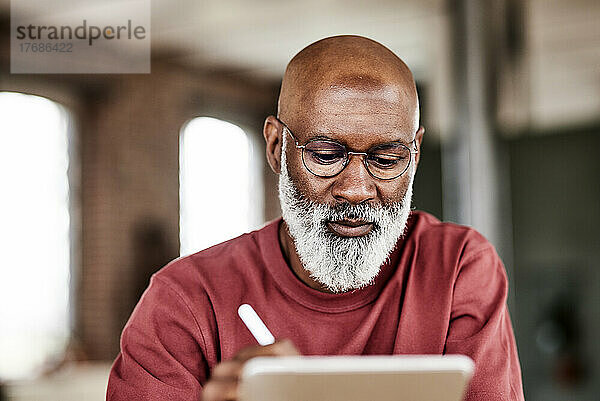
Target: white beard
[{"x": 341, "y": 263}]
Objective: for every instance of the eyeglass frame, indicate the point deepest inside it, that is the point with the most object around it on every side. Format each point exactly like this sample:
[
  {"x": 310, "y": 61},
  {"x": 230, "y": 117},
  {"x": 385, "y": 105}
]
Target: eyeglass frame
[{"x": 349, "y": 153}]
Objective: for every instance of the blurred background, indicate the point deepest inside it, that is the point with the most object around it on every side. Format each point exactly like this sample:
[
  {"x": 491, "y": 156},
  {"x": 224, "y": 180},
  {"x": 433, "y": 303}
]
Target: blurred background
[{"x": 107, "y": 177}]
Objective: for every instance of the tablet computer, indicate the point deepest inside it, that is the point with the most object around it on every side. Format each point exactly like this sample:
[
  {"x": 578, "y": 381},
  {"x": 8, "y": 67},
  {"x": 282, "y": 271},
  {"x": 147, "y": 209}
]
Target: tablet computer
[{"x": 356, "y": 378}]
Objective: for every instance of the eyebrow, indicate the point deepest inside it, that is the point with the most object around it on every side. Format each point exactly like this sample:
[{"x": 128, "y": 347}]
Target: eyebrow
[{"x": 326, "y": 138}]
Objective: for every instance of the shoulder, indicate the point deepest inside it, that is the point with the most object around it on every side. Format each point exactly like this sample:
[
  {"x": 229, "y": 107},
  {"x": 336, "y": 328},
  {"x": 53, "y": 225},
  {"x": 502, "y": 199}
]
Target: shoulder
[
  {"x": 444, "y": 249},
  {"x": 437, "y": 236},
  {"x": 454, "y": 259}
]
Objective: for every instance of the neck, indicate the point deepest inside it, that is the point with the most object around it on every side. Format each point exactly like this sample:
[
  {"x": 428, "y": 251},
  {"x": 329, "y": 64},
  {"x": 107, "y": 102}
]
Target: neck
[{"x": 293, "y": 260}]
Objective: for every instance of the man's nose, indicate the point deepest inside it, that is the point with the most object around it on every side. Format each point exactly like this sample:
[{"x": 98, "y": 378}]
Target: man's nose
[{"x": 354, "y": 184}]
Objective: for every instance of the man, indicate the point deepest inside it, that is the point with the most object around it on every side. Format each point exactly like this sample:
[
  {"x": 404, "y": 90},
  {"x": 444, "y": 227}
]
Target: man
[{"x": 349, "y": 269}]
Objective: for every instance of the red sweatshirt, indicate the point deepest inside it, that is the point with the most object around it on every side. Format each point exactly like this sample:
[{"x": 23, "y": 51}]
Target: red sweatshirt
[{"x": 443, "y": 292}]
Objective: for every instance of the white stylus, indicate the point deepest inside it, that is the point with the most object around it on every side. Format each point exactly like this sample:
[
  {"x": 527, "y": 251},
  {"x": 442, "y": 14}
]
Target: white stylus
[{"x": 255, "y": 325}]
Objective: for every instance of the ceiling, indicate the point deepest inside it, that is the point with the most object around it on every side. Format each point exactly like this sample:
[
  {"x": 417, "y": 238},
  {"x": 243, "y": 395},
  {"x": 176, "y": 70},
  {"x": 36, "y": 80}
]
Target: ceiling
[
  {"x": 255, "y": 39},
  {"x": 261, "y": 39}
]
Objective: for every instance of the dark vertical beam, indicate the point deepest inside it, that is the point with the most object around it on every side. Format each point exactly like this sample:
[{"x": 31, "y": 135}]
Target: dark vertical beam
[
  {"x": 474, "y": 182},
  {"x": 469, "y": 161}
]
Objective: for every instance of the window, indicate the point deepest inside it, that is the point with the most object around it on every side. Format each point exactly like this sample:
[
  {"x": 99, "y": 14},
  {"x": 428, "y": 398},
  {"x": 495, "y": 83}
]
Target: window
[
  {"x": 220, "y": 191},
  {"x": 34, "y": 233}
]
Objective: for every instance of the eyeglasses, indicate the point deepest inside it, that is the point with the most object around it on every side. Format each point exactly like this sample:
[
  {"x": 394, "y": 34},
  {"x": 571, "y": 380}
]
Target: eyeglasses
[{"x": 327, "y": 158}]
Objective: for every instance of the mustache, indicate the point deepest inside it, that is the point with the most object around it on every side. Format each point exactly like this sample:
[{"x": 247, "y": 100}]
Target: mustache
[
  {"x": 375, "y": 214},
  {"x": 343, "y": 211}
]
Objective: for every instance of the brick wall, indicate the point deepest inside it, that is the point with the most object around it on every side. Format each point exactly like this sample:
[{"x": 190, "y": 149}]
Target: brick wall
[{"x": 129, "y": 140}]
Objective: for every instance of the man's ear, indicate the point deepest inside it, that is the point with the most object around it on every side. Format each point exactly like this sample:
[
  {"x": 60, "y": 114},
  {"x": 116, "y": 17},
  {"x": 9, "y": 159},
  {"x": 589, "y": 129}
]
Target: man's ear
[
  {"x": 418, "y": 141},
  {"x": 272, "y": 132}
]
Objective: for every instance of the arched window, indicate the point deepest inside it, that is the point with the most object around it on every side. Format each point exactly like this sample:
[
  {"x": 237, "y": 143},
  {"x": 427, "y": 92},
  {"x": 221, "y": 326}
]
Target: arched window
[
  {"x": 34, "y": 233},
  {"x": 219, "y": 184}
]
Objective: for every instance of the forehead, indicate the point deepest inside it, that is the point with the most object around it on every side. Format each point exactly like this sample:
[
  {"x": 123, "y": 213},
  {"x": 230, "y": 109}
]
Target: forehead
[{"x": 358, "y": 110}]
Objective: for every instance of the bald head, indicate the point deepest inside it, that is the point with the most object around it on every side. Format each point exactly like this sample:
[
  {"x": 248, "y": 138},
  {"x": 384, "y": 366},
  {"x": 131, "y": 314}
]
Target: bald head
[{"x": 349, "y": 77}]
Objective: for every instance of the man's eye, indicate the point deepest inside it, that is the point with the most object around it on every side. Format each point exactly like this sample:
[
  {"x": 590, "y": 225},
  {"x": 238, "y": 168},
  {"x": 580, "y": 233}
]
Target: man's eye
[
  {"x": 385, "y": 160},
  {"x": 326, "y": 156}
]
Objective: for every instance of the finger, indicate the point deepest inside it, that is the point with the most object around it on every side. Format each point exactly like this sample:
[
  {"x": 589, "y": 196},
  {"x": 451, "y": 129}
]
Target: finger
[
  {"x": 279, "y": 348},
  {"x": 220, "y": 390},
  {"x": 228, "y": 369},
  {"x": 286, "y": 347}
]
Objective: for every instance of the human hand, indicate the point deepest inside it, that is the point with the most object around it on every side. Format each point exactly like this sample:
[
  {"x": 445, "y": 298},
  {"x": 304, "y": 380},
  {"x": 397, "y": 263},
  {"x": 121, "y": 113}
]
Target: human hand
[{"x": 225, "y": 377}]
